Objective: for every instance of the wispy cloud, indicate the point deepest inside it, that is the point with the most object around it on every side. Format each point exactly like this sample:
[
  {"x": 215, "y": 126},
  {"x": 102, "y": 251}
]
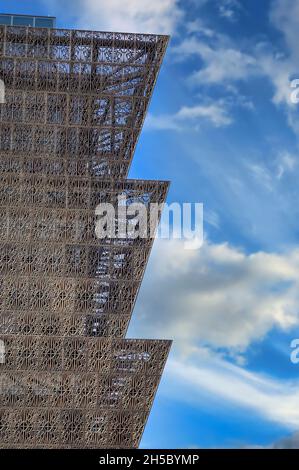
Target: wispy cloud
[
  {"x": 261, "y": 174},
  {"x": 229, "y": 9},
  {"x": 191, "y": 117},
  {"x": 218, "y": 383},
  {"x": 286, "y": 163},
  {"x": 223, "y": 62}
]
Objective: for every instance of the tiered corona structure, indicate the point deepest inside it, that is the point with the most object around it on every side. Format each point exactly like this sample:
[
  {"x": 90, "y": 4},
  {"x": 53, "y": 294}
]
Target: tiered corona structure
[{"x": 75, "y": 105}]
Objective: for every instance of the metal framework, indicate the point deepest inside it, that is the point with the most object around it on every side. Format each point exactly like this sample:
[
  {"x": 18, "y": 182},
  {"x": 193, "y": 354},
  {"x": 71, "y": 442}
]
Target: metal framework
[{"x": 75, "y": 105}]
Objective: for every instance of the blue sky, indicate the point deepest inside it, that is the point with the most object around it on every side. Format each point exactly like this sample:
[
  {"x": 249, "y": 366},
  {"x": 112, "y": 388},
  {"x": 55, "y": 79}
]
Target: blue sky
[{"x": 222, "y": 128}]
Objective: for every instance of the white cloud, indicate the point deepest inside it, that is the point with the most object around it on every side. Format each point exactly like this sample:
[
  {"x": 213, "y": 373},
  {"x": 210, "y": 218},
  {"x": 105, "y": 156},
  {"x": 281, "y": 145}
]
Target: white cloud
[
  {"x": 215, "y": 113},
  {"x": 223, "y": 65},
  {"x": 279, "y": 72},
  {"x": 262, "y": 175},
  {"x": 229, "y": 9},
  {"x": 155, "y": 16},
  {"x": 218, "y": 295},
  {"x": 268, "y": 178},
  {"x": 161, "y": 123},
  {"x": 197, "y": 26},
  {"x": 222, "y": 61},
  {"x": 212, "y": 218},
  {"x": 286, "y": 163},
  {"x": 191, "y": 117}
]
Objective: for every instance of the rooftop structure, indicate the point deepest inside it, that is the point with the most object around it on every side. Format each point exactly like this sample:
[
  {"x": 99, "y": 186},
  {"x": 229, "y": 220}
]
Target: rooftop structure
[{"x": 27, "y": 20}]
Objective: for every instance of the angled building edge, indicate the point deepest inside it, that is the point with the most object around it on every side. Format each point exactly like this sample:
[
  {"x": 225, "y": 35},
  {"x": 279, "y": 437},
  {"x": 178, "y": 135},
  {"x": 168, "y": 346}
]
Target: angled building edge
[
  {"x": 78, "y": 392},
  {"x": 75, "y": 105}
]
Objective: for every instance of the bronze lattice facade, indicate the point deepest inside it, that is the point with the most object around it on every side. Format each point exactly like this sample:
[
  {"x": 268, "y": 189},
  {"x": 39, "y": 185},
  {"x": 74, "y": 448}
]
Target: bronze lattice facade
[{"x": 75, "y": 105}]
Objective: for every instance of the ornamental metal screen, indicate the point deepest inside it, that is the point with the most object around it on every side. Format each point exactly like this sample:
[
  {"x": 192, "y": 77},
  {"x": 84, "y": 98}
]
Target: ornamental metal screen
[{"x": 74, "y": 106}]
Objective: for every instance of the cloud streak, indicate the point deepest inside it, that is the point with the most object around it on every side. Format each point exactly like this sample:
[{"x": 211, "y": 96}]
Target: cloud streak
[{"x": 191, "y": 117}]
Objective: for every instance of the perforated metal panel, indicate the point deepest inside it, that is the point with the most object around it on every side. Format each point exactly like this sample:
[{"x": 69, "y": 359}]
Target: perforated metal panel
[{"x": 75, "y": 104}]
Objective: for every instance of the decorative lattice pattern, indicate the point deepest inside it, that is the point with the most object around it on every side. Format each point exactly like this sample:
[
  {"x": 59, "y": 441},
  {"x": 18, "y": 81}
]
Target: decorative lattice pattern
[
  {"x": 79, "y": 391},
  {"x": 77, "y": 97},
  {"x": 55, "y": 275},
  {"x": 75, "y": 104}
]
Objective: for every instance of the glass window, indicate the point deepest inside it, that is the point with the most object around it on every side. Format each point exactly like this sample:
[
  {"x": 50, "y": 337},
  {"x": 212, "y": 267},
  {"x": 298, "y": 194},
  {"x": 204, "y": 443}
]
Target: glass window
[
  {"x": 44, "y": 22},
  {"x": 22, "y": 21},
  {"x": 5, "y": 19}
]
